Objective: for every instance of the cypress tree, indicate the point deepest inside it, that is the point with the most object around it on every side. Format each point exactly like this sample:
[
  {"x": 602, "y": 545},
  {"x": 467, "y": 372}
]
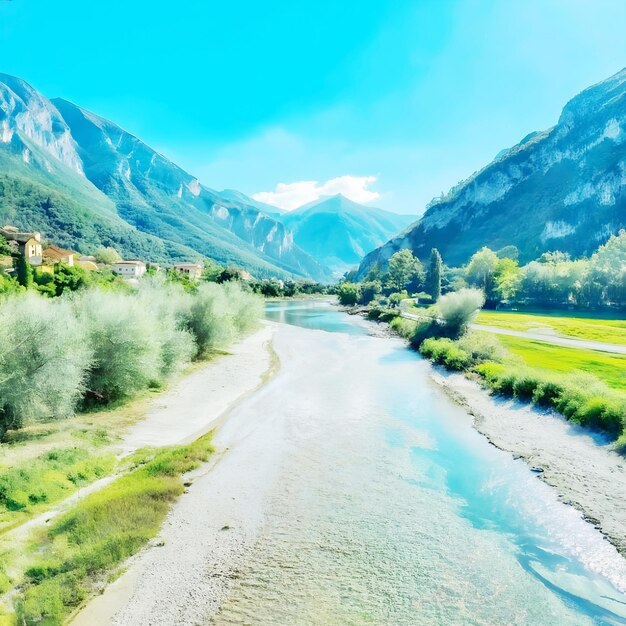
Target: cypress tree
[
  {"x": 433, "y": 279},
  {"x": 23, "y": 271}
]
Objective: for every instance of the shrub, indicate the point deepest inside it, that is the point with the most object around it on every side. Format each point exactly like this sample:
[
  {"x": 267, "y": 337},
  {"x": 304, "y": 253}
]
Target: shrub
[
  {"x": 43, "y": 360},
  {"x": 369, "y": 291},
  {"x": 482, "y": 347},
  {"x": 397, "y": 296},
  {"x": 125, "y": 338},
  {"x": 580, "y": 397},
  {"x": 404, "y": 327},
  {"x": 425, "y": 330},
  {"x": 524, "y": 386},
  {"x": 458, "y": 309},
  {"x": 546, "y": 393},
  {"x": 348, "y": 294},
  {"x": 490, "y": 372},
  {"x": 446, "y": 352},
  {"x": 209, "y": 319}
]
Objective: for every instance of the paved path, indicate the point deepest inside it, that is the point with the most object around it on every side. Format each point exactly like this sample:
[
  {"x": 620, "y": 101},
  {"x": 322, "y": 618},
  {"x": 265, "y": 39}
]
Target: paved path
[{"x": 556, "y": 340}]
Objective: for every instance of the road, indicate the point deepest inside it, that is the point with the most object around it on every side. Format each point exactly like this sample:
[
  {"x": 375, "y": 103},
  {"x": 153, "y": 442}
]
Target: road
[{"x": 556, "y": 340}]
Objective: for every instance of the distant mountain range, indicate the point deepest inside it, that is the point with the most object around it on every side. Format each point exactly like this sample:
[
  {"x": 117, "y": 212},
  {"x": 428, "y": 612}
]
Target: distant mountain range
[
  {"x": 560, "y": 189},
  {"x": 85, "y": 182},
  {"x": 339, "y": 232}
]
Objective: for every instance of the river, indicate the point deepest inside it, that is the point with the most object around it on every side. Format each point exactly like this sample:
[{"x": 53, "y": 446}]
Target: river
[{"x": 388, "y": 508}]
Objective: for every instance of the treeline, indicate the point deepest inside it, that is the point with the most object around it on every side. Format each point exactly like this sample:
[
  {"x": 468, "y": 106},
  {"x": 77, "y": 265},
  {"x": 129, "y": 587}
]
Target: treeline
[
  {"x": 96, "y": 347},
  {"x": 552, "y": 280}
]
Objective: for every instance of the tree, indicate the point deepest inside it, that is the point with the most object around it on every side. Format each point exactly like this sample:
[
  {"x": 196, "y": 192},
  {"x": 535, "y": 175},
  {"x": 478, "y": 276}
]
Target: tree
[
  {"x": 404, "y": 271},
  {"x": 480, "y": 270},
  {"x": 433, "y": 277},
  {"x": 23, "y": 271},
  {"x": 107, "y": 256},
  {"x": 507, "y": 278},
  {"x": 509, "y": 252},
  {"x": 5, "y": 250},
  {"x": 369, "y": 291}
]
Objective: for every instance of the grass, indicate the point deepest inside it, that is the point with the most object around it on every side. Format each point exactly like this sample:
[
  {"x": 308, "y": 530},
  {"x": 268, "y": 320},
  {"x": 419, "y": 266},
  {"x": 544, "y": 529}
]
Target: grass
[
  {"x": 610, "y": 368},
  {"x": 82, "y": 549},
  {"x": 34, "y": 484},
  {"x": 590, "y": 328}
]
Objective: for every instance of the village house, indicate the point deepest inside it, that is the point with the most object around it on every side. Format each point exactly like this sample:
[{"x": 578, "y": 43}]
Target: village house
[
  {"x": 27, "y": 243},
  {"x": 129, "y": 269},
  {"x": 191, "y": 270},
  {"x": 52, "y": 255}
]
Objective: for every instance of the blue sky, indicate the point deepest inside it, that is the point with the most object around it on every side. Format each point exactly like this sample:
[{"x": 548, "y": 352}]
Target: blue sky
[{"x": 389, "y": 102}]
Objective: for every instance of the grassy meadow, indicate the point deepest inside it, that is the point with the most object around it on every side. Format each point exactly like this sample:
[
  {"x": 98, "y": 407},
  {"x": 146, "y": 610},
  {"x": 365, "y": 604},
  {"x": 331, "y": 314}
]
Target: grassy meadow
[
  {"x": 610, "y": 368},
  {"x": 568, "y": 325},
  {"x": 69, "y": 561}
]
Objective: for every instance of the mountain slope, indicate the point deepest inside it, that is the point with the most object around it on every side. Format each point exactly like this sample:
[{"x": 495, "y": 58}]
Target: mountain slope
[
  {"x": 339, "y": 232},
  {"x": 42, "y": 185},
  {"x": 237, "y": 196},
  {"x": 159, "y": 197},
  {"x": 560, "y": 189}
]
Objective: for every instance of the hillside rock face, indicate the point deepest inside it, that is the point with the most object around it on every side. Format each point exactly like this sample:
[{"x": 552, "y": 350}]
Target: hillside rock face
[
  {"x": 25, "y": 113},
  {"x": 159, "y": 197},
  {"x": 84, "y": 182},
  {"x": 561, "y": 189},
  {"x": 339, "y": 232}
]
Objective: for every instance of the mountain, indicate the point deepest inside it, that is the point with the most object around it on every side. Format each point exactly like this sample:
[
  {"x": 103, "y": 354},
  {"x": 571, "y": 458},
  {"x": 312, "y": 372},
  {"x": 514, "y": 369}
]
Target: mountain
[
  {"x": 85, "y": 182},
  {"x": 237, "y": 196},
  {"x": 43, "y": 187},
  {"x": 339, "y": 232},
  {"x": 560, "y": 189},
  {"x": 158, "y": 197}
]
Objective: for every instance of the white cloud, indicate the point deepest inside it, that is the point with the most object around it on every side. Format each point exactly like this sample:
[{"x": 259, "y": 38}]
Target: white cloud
[{"x": 290, "y": 196}]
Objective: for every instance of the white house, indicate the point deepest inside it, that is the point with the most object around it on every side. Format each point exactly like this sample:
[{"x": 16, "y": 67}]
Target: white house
[
  {"x": 191, "y": 270},
  {"x": 129, "y": 269}
]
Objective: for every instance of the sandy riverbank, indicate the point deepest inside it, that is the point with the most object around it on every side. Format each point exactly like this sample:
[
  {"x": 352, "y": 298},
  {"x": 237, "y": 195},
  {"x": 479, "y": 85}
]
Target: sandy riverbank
[
  {"x": 199, "y": 533},
  {"x": 580, "y": 466}
]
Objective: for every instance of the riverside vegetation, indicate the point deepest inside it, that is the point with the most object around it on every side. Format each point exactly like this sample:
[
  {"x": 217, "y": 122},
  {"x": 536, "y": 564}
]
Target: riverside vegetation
[
  {"x": 584, "y": 386},
  {"x": 582, "y": 397},
  {"x": 97, "y": 347}
]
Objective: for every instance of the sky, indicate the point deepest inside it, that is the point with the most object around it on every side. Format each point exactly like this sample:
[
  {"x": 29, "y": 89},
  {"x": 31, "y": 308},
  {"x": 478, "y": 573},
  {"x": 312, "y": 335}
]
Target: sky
[{"x": 390, "y": 103}]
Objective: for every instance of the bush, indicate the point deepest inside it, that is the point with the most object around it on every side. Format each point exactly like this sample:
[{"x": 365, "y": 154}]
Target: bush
[
  {"x": 447, "y": 353},
  {"x": 397, "y": 296},
  {"x": 427, "y": 329},
  {"x": 104, "y": 346},
  {"x": 349, "y": 294},
  {"x": 404, "y": 327},
  {"x": 482, "y": 347},
  {"x": 369, "y": 291},
  {"x": 580, "y": 397},
  {"x": 458, "y": 309},
  {"x": 43, "y": 360},
  {"x": 125, "y": 338}
]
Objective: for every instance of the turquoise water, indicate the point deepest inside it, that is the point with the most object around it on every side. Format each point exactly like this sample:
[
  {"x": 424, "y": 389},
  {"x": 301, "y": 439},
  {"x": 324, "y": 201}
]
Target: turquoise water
[{"x": 391, "y": 509}]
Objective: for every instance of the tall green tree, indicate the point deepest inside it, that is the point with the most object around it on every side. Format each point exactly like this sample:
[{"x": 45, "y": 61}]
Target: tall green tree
[
  {"x": 433, "y": 278},
  {"x": 404, "y": 269},
  {"x": 23, "y": 271},
  {"x": 481, "y": 269}
]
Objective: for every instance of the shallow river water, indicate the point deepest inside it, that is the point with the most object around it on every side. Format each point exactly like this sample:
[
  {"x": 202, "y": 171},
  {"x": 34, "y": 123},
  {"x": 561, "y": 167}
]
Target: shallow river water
[{"x": 390, "y": 509}]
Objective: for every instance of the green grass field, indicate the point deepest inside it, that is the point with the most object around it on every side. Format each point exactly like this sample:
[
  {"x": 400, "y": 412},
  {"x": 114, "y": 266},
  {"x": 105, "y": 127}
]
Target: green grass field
[
  {"x": 72, "y": 558},
  {"x": 611, "y": 368},
  {"x": 591, "y": 328}
]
